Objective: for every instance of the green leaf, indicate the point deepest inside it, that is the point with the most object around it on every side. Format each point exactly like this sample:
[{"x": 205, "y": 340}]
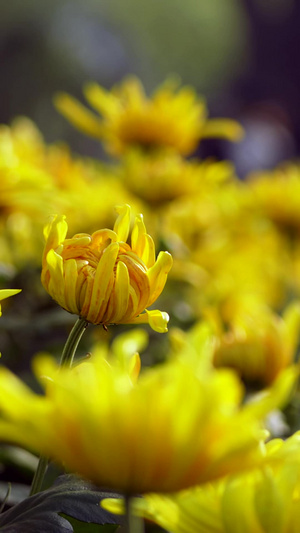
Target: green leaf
[
  {"x": 70, "y": 497},
  {"x": 83, "y": 527}
]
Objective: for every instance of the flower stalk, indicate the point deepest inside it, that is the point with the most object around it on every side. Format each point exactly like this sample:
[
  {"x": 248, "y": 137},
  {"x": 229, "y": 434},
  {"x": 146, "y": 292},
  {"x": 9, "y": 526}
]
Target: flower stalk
[
  {"x": 66, "y": 360},
  {"x": 72, "y": 342},
  {"x": 133, "y": 523}
]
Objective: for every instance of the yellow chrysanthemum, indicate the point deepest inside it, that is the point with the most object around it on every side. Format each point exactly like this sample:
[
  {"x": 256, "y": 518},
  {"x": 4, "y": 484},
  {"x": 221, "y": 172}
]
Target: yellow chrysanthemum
[
  {"x": 217, "y": 242},
  {"x": 257, "y": 342},
  {"x": 159, "y": 178},
  {"x": 87, "y": 189},
  {"x": 170, "y": 118},
  {"x": 277, "y": 194},
  {"x": 262, "y": 501},
  {"x": 166, "y": 431},
  {"x": 102, "y": 278},
  {"x": 25, "y": 185},
  {"x": 37, "y": 180}
]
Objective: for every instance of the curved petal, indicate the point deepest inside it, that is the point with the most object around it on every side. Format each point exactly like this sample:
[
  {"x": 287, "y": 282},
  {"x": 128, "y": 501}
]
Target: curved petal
[
  {"x": 70, "y": 276},
  {"x": 103, "y": 101},
  {"x": 157, "y": 320},
  {"x": 78, "y": 115},
  {"x": 56, "y": 285},
  {"x": 141, "y": 243},
  {"x": 139, "y": 283},
  {"x": 277, "y": 395},
  {"x": 122, "y": 224},
  {"x": 6, "y": 293},
  {"x": 102, "y": 283},
  {"x": 118, "y": 303},
  {"x": 55, "y": 233},
  {"x": 225, "y": 128},
  {"x": 157, "y": 275}
]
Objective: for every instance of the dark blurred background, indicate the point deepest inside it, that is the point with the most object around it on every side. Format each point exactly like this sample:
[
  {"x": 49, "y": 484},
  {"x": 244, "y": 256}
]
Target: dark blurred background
[{"x": 242, "y": 55}]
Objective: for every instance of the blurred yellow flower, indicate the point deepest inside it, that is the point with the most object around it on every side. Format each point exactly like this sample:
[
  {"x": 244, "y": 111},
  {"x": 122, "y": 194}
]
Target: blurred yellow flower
[
  {"x": 257, "y": 342},
  {"x": 160, "y": 177},
  {"x": 37, "y": 180},
  {"x": 261, "y": 501},
  {"x": 165, "y": 431},
  {"x": 216, "y": 238},
  {"x": 87, "y": 189},
  {"x": 277, "y": 195},
  {"x": 6, "y": 293},
  {"x": 102, "y": 278},
  {"x": 171, "y": 118},
  {"x": 25, "y": 185}
]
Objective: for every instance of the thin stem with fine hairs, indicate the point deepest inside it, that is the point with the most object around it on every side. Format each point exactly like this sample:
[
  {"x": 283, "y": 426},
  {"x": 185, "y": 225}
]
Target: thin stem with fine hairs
[{"x": 66, "y": 360}]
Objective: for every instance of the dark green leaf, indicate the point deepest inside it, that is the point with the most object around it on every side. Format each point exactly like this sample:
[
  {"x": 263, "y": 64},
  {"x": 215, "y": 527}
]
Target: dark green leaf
[
  {"x": 70, "y": 496},
  {"x": 83, "y": 527}
]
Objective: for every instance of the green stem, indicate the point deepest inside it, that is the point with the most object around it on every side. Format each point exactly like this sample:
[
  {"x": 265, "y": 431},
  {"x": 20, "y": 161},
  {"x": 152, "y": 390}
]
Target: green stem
[
  {"x": 70, "y": 347},
  {"x": 133, "y": 523},
  {"x": 66, "y": 360},
  {"x": 39, "y": 475}
]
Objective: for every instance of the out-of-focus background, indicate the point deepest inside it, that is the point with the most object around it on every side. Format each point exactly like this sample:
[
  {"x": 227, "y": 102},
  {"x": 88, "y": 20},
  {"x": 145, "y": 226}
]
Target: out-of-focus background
[
  {"x": 242, "y": 55},
  {"x": 235, "y": 246}
]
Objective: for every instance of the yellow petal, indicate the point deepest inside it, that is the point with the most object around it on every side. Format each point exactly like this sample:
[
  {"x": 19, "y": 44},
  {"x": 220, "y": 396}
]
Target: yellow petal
[
  {"x": 6, "y": 293},
  {"x": 102, "y": 235},
  {"x": 156, "y": 319},
  {"x": 134, "y": 92},
  {"x": 141, "y": 243},
  {"x": 102, "y": 283},
  {"x": 226, "y": 128},
  {"x": 78, "y": 115},
  {"x": 125, "y": 344},
  {"x": 157, "y": 275},
  {"x": 276, "y": 396},
  {"x": 103, "y": 101},
  {"x": 56, "y": 271},
  {"x": 269, "y": 504},
  {"x": 134, "y": 366},
  {"x": 239, "y": 518},
  {"x": 54, "y": 232},
  {"x": 120, "y": 295},
  {"x": 137, "y": 233},
  {"x": 122, "y": 224},
  {"x": 139, "y": 282},
  {"x": 71, "y": 275}
]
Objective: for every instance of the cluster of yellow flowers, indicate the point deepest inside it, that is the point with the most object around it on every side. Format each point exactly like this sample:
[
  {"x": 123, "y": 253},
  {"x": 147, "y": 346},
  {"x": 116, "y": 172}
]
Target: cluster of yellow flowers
[
  {"x": 185, "y": 425},
  {"x": 37, "y": 180}
]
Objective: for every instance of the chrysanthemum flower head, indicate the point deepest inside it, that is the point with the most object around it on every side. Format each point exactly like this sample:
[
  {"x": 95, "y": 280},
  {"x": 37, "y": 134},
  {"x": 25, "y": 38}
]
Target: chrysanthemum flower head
[
  {"x": 25, "y": 185},
  {"x": 171, "y": 118},
  {"x": 102, "y": 278},
  {"x": 159, "y": 178},
  {"x": 277, "y": 194},
  {"x": 167, "y": 430},
  {"x": 258, "y": 344}
]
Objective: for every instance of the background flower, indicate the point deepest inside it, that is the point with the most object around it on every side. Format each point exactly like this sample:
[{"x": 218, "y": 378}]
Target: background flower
[{"x": 171, "y": 118}]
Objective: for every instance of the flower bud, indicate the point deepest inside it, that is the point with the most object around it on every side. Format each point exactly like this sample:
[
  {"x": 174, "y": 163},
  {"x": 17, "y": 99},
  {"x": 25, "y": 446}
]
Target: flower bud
[{"x": 102, "y": 278}]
